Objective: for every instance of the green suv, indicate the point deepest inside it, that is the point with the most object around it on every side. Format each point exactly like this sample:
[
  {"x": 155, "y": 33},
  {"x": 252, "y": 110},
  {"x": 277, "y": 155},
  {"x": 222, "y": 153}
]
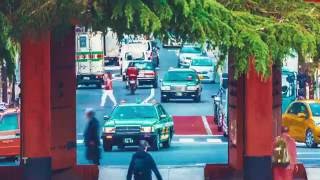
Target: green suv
[
  {"x": 181, "y": 84},
  {"x": 130, "y": 123}
]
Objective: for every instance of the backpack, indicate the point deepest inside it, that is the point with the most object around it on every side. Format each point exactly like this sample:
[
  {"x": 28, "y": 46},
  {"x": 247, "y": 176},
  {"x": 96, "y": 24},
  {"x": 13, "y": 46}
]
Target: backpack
[
  {"x": 139, "y": 166},
  {"x": 280, "y": 155}
]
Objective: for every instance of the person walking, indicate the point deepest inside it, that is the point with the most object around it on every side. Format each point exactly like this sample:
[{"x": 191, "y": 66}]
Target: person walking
[
  {"x": 108, "y": 90},
  {"x": 91, "y": 137},
  {"x": 142, "y": 164},
  {"x": 285, "y": 156}
]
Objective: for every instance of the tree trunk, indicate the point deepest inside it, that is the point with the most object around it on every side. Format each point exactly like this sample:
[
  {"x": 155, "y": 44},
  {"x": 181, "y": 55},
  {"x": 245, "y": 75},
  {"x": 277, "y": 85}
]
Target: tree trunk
[
  {"x": 13, "y": 91},
  {"x": 4, "y": 81}
]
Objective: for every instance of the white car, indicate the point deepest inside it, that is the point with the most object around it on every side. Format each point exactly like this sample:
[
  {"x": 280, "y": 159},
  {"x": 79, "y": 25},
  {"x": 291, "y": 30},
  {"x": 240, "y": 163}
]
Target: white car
[
  {"x": 204, "y": 66},
  {"x": 135, "y": 49},
  {"x": 187, "y": 52}
]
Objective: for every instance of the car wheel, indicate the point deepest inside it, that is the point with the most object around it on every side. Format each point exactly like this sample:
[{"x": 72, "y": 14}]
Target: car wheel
[
  {"x": 124, "y": 78},
  {"x": 167, "y": 143},
  {"x": 155, "y": 84},
  {"x": 310, "y": 143},
  {"x": 197, "y": 99},
  {"x": 107, "y": 146},
  {"x": 156, "y": 143},
  {"x": 164, "y": 99}
]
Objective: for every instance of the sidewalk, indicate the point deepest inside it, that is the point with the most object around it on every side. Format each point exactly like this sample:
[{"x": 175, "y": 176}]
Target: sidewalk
[
  {"x": 168, "y": 173},
  {"x": 313, "y": 173},
  {"x": 176, "y": 173}
]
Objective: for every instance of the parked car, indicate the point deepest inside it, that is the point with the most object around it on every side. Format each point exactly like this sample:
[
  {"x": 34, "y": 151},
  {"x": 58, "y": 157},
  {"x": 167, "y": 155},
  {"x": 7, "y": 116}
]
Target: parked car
[
  {"x": 129, "y": 123},
  {"x": 10, "y": 133},
  {"x": 302, "y": 117},
  {"x": 147, "y": 73},
  {"x": 181, "y": 84},
  {"x": 204, "y": 67},
  {"x": 187, "y": 52}
]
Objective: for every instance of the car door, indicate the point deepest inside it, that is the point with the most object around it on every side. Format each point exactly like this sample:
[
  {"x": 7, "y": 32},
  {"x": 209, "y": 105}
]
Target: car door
[
  {"x": 9, "y": 135},
  {"x": 165, "y": 127},
  {"x": 302, "y": 123},
  {"x": 290, "y": 119}
]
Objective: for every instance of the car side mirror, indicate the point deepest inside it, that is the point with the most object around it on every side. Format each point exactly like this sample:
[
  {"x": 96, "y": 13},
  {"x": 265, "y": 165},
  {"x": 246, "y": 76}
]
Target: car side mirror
[
  {"x": 163, "y": 116},
  {"x": 302, "y": 115},
  {"x": 106, "y": 118}
]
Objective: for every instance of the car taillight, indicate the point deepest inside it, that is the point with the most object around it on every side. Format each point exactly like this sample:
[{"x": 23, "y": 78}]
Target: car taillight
[{"x": 150, "y": 73}]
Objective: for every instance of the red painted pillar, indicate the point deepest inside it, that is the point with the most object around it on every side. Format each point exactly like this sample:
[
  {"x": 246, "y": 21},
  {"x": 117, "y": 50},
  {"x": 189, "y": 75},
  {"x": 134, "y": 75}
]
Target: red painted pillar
[
  {"x": 258, "y": 127},
  {"x": 36, "y": 112},
  {"x": 236, "y": 116},
  {"x": 63, "y": 100}
]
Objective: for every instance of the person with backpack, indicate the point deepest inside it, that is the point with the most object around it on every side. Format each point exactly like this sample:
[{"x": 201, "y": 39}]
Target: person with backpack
[
  {"x": 284, "y": 157},
  {"x": 142, "y": 164}
]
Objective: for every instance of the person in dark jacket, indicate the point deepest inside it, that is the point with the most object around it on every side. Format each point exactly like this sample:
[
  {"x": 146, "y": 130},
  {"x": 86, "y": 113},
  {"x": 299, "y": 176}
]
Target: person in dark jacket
[
  {"x": 91, "y": 138},
  {"x": 142, "y": 164}
]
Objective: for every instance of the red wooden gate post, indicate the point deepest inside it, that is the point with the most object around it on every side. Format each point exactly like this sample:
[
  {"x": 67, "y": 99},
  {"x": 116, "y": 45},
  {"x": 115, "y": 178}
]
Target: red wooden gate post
[
  {"x": 258, "y": 126},
  {"x": 36, "y": 112},
  {"x": 251, "y": 124}
]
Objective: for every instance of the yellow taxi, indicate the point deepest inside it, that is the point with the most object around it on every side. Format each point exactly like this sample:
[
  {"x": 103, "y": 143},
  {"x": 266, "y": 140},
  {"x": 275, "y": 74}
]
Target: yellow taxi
[{"x": 302, "y": 117}]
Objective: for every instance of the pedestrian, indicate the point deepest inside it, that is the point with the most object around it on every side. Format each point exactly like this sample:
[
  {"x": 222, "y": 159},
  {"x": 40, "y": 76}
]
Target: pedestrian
[
  {"x": 284, "y": 156},
  {"x": 142, "y": 164},
  {"x": 108, "y": 90},
  {"x": 91, "y": 137}
]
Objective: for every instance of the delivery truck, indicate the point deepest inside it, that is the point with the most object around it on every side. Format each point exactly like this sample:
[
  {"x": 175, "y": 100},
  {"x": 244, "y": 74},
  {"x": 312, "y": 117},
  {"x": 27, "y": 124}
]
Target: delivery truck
[{"x": 89, "y": 58}]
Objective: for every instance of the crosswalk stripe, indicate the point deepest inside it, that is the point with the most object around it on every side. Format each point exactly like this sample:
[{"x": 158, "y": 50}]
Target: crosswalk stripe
[
  {"x": 186, "y": 140},
  {"x": 206, "y": 125},
  {"x": 214, "y": 140}
]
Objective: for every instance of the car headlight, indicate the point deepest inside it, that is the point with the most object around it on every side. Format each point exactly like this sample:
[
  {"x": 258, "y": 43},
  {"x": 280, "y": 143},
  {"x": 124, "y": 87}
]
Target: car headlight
[
  {"x": 109, "y": 130},
  {"x": 146, "y": 129},
  {"x": 165, "y": 88},
  {"x": 192, "y": 88}
]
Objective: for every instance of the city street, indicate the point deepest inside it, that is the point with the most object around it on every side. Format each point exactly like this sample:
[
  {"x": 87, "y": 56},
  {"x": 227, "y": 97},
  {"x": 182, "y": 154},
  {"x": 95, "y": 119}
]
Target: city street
[{"x": 197, "y": 140}]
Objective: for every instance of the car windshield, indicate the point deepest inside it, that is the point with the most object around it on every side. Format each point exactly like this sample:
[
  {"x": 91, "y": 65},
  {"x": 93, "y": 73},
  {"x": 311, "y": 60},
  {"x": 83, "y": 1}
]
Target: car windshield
[
  {"x": 180, "y": 76},
  {"x": 201, "y": 62},
  {"x": 9, "y": 122},
  {"x": 193, "y": 50},
  {"x": 134, "y": 112},
  {"x": 315, "y": 109},
  {"x": 144, "y": 65}
]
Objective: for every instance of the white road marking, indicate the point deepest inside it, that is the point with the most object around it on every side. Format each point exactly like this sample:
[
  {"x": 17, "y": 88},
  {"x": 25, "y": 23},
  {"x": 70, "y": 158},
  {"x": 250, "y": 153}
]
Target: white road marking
[
  {"x": 308, "y": 153},
  {"x": 186, "y": 140},
  {"x": 198, "y": 135},
  {"x": 151, "y": 96},
  {"x": 206, "y": 125},
  {"x": 309, "y": 158},
  {"x": 214, "y": 140}
]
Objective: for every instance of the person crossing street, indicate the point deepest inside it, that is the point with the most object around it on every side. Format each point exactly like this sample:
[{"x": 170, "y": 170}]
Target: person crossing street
[{"x": 108, "y": 90}]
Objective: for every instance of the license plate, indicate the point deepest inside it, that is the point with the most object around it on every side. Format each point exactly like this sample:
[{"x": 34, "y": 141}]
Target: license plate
[
  {"x": 178, "y": 94},
  {"x": 128, "y": 140},
  {"x": 86, "y": 78},
  {"x": 201, "y": 77},
  {"x": 132, "y": 82}
]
